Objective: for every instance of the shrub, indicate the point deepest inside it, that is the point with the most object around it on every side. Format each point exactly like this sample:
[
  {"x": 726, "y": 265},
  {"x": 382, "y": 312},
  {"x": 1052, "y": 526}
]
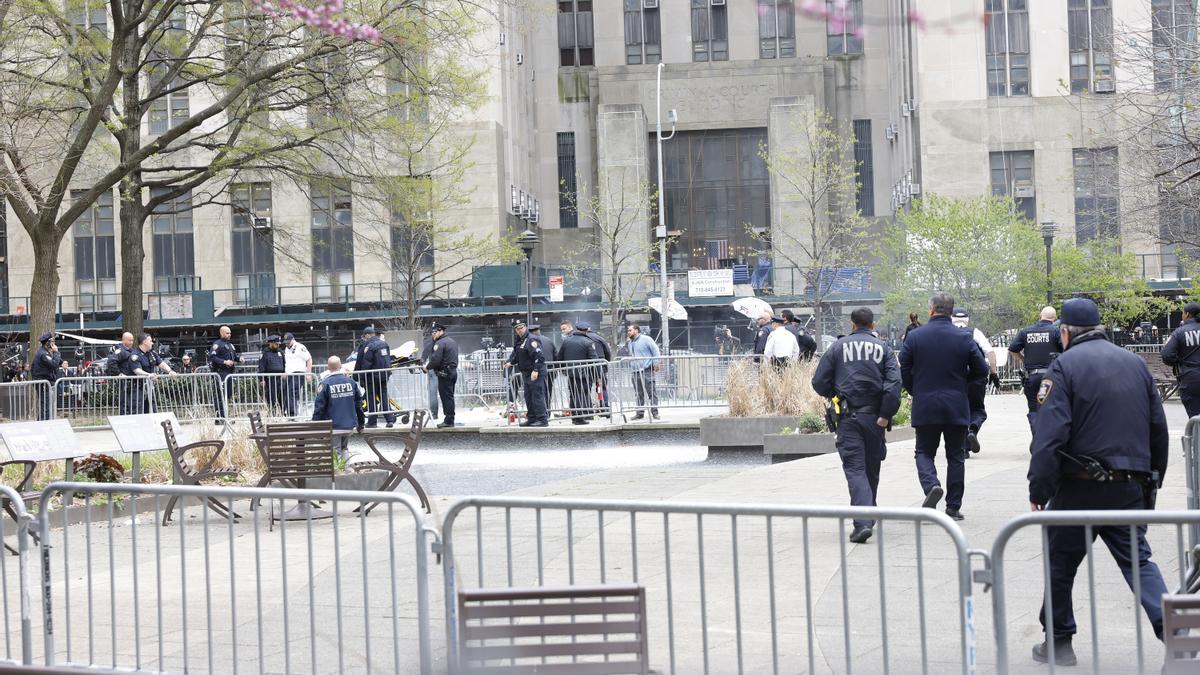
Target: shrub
[
  {"x": 812, "y": 424},
  {"x": 99, "y": 469}
]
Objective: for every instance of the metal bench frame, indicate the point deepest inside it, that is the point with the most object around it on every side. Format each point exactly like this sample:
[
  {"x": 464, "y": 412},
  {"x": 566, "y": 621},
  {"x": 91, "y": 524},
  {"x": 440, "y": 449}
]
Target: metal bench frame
[
  {"x": 183, "y": 473},
  {"x": 401, "y": 470}
]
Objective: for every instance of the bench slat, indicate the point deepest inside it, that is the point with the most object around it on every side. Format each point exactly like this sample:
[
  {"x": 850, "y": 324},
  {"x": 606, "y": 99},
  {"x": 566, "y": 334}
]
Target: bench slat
[
  {"x": 550, "y": 629},
  {"x": 563, "y": 649},
  {"x": 559, "y": 609},
  {"x": 593, "y": 668},
  {"x": 549, "y": 592}
]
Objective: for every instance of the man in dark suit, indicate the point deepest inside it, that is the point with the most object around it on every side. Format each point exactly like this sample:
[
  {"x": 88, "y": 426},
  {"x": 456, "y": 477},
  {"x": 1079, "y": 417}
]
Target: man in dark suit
[{"x": 938, "y": 364}]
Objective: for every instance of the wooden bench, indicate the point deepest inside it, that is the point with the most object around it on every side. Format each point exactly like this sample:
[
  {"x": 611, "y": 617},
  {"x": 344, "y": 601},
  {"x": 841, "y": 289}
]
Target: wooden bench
[
  {"x": 1181, "y": 614},
  {"x": 568, "y": 630},
  {"x": 294, "y": 455},
  {"x": 1164, "y": 376},
  {"x": 258, "y": 433},
  {"x": 400, "y": 471},
  {"x": 184, "y": 471}
]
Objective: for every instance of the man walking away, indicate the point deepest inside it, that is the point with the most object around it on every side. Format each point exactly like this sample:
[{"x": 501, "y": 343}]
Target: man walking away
[
  {"x": 426, "y": 354},
  {"x": 645, "y": 353},
  {"x": 861, "y": 370},
  {"x": 977, "y": 392},
  {"x": 761, "y": 335},
  {"x": 937, "y": 365},
  {"x": 1099, "y": 442},
  {"x": 299, "y": 368},
  {"x": 1032, "y": 350},
  {"x": 223, "y": 359},
  {"x": 604, "y": 351},
  {"x": 340, "y": 400},
  {"x": 576, "y": 346},
  {"x": 1182, "y": 352},
  {"x": 47, "y": 367},
  {"x": 781, "y": 345},
  {"x": 272, "y": 367},
  {"x": 443, "y": 361}
]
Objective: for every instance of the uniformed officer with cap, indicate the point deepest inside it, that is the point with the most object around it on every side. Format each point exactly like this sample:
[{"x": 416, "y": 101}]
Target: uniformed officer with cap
[
  {"x": 443, "y": 361},
  {"x": 761, "y": 334},
  {"x": 1182, "y": 352},
  {"x": 604, "y": 351},
  {"x": 1032, "y": 349},
  {"x": 47, "y": 367},
  {"x": 528, "y": 358},
  {"x": 273, "y": 364},
  {"x": 977, "y": 392},
  {"x": 1099, "y": 442},
  {"x": 374, "y": 355},
  {"x": 861, "y": 370}
]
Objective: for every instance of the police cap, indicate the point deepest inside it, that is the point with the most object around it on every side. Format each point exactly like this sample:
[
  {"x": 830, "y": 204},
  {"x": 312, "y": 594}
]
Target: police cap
[
  {"x": 519, "y": 324},
  {"x": 583, "y": 326},
  {"x": 534, "y": 327},
  {"x": 1192, "y": 309},
  {"x": 437, "y": 326},
  {"x": 288, "y": 337},
  {"x": 778, "y": 319},
  {"x": 1080, "y": 312},
  {"x": 273, "y": 337},
  {"x": 961, "y": 314},
  {"x": 369, "y": 330},
  {"x": 46, "y": 337}
]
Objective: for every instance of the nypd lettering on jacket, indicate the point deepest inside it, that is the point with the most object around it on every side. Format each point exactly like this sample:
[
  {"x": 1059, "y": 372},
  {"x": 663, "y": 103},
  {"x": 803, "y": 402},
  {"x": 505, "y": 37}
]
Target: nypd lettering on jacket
[
  {"x": 862, "y": 350},
  {"x": 341, "y": 390}
]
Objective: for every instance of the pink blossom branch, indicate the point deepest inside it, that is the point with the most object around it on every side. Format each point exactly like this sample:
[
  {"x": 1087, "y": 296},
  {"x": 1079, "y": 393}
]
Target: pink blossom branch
[{"x": 323, "y": 17}]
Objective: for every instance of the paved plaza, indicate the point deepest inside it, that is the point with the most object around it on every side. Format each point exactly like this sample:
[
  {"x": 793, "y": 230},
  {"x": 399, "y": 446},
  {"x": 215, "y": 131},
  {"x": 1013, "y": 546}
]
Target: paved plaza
[{"x": 354, "y": 583}]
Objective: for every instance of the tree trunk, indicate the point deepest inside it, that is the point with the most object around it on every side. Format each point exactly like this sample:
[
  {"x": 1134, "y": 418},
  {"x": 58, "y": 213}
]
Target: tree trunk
[
  {"x": 43, "y": 296},
  {"x": 133, "y": 254}
]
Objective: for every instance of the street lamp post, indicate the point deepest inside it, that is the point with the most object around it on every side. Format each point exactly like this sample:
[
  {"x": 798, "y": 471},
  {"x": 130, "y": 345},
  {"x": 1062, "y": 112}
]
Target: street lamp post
[
  {"x": 661, "y": 231},
  {"x": 1048, "y": 228},
  {"x": 528, "y": 241}
]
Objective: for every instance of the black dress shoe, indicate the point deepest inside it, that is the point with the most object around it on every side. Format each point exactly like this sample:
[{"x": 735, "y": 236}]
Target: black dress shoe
[
  {"x": 445, "y": 425},
  {"x": 933, "y": 497},
  {"x": 1064, "y": 654},
  {"x": 954, "y": 513},
  {"x": 860, "y": 535},
  {"x": 639, "y": 416},
  {"x": 972, "y": 442},
  {"x": 539, "y": 423}
]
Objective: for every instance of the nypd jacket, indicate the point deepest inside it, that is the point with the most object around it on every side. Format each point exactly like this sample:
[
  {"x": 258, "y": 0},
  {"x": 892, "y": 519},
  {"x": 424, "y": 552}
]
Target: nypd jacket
[
  {"x": 862, "y": 371},
  {"x": 443, "y": 357},
  {"x": 1037, "y": 344},
  {"x": 340, "y": 400},
  {"x": 47, "y": 365},
  {"x": 577, "y": 347},
  {"x": 527, "y": 355},
  {"x": 936, "y": 365},
  {"x": 374, "y": 354},
  {"x": 1183, "y": 348},
  {"x": 1098, "y": 400},
  {"x": 222, "y": 351}
]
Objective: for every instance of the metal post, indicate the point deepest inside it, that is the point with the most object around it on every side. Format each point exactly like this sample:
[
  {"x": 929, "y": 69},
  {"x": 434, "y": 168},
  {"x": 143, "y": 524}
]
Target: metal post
[
  {"x": 662, "y": 211},
  {"x": 1048, "y": 228},
  {"x": 529, "y": 288}
]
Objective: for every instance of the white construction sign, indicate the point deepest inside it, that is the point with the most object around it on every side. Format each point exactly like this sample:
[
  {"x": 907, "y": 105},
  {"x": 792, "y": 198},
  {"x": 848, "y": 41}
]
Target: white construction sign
[{"x": 710, "y": 283}]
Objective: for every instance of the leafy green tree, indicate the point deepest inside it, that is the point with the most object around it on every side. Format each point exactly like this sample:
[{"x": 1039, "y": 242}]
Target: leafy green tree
[{"x": 1099, "y": 271}]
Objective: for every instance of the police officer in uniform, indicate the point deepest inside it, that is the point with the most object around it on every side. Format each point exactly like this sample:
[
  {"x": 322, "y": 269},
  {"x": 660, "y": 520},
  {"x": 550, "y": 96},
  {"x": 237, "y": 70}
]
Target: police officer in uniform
[
  {"x": 47, "y": 367},
  {"x": 1182, "y": 352},
  {"x": 603, "y": 351},
  {"x": 528, "y": 358},
  {"x": 1032, "y": 349},
  {"x": 861, "y": 370},
  {"x": 1099, "y": 442},
  {"x": 340, "y": 400},
  {"x": 273, "y": 364},
  {"x": 140, "y": 362},
  {"x": 375, "y": 355},
  {"x": 761, "y": 335},
  {"x": 576, "y": 346},
  {"x": 443, "y": 361},
  {"x": 223, "y": 358}
]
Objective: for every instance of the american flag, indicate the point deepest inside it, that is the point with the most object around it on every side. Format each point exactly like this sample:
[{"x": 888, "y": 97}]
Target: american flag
[{"x": 716, "y": 250}]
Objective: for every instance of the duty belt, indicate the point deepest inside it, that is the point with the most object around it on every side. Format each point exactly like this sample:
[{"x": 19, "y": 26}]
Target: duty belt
[
  {"x": 1036, "y": 371},
  {"x": 1113, "y": 476}
]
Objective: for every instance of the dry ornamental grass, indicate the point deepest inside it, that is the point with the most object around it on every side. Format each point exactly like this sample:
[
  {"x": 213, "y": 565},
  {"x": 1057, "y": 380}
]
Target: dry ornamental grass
[{"x": 757, "y": 389}]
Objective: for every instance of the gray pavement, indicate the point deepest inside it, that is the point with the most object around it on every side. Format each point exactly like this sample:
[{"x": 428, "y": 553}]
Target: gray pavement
[{"x": 236, "y": 574}]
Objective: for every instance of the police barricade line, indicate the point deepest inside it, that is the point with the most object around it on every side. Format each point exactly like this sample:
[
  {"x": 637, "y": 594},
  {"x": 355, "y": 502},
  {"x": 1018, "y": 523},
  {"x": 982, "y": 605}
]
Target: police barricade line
[
  {"x": 1191, "y": 467},
  {"x": 16, "y": 578},
  {"x": 735, "y": 588},
  {"x": 276, "y": 396},
  {"x": 485, "y": 379},
  {"x": 578, "y": 390},
  {"x": 673, "y": 381},
  {"x": 1109, "y": 636},
  {"x": 329, "y": 592},
  {"x": 88, "y": 401},
  {"x": 26, "y": 401}
]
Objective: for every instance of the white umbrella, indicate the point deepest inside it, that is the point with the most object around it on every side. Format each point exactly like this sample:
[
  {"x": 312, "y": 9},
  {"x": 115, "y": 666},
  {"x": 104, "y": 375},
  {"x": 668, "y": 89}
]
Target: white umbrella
[
  {"x": 752, "y": 307},
  {"x": 674, "y": 310}
]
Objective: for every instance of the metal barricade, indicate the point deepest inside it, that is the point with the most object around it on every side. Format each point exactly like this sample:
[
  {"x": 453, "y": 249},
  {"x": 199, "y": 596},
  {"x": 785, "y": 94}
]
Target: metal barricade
[
  {"x": 693, "y": 381},
  {"x": 1119, "y": 529},
  {"x": 574, "y": 389},
  {"x": 208, "y": 594},
  {"x": 25, "y": 401},
  {"x": 88, "y": 401},
  {"x": 1191, "y": 469},
  {"x": 16, "y": 585},
  {"x": 714, "y": 602},
  {"x": 276, "y": 396}
]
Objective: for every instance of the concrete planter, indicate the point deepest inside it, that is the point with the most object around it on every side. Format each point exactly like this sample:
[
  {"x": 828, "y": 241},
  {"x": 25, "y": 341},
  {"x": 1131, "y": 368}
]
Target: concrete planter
[
  {"x": 807, "y": 445},
  {"x": 741, "y": 433}
]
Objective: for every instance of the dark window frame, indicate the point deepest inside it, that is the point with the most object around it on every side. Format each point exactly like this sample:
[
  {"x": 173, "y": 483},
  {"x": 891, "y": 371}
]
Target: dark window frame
[
  {"x": 576, "y": 34},
  {"x": 1097, "y": 193},
  {"x": 253, "y": 250},
  {"x": 173, "y": 248},
  {"x": 95, "y": 241},
  {"x": 643, "y": 34},
  {"x": 776, "y": 29},
  {"x": 331, "y": 226},
  {"x": 864, "y": 168},
  {"x": 1006, "y": 47},
  {"x": 1089, "y": 46},
  {"x": 710, "y": 32},
  {"x": 1008, "y": 168},
  {"x": 568, "y": 181},
  {"x": 842, "y": 40}
]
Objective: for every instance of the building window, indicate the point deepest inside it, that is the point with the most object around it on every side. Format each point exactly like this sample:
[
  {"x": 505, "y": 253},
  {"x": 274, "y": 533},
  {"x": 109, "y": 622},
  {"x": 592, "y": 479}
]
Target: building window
[
  {"x": 575, "y": 33},
  {"x": 95, "y": 255},
  {"x": 1172, "y": 21},
  {"x": 776, "y": 29},
  {"x": 1089, "y": 28},
  {"x": 253, "y": 243},
  {"x": 1008, "y": 47},
  {"x": 170, "y": 108},
  {"x": 710, "y": 31},
  {"x": 1097, "y": 194},
  {"x": 643, "y": 33},
  {"x": 843, "y": 27},
  {"x": 408, "y": 102},
  {"x": 88, "y": 15},
  {"x": 1012, "y": 176},
  {"x": 328, "y": 82},
  {"x": 568, "y": 187},
  {"x": 332, "y": 241},
  {"x": 716, "y": 192},
  {"x": 864, "y": 167},
  {"x": 174, "y": 248}
]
